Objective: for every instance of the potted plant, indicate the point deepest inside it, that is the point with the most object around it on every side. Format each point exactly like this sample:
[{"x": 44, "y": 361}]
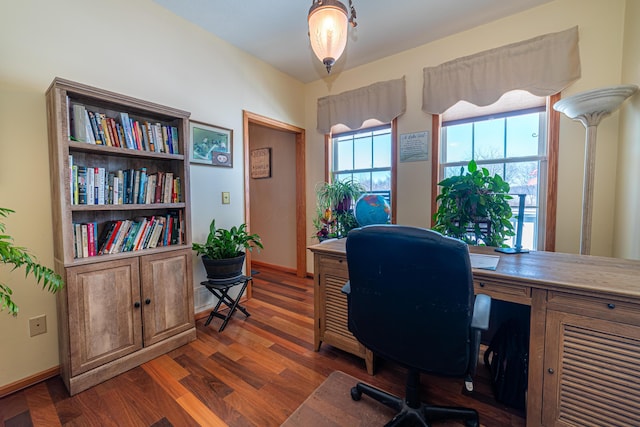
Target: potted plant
[
  {"x": 474, "y": 207},
  {"x": 224, "y": 251},
  {"x": 19, "y": 257},
  {"x": 335, "y": 217}
]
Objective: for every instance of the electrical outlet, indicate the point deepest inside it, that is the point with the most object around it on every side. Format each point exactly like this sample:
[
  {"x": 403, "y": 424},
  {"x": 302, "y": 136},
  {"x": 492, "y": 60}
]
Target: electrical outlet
[
  {"x": 38, "y": 325},
  {"x": 226, "y": 198}
]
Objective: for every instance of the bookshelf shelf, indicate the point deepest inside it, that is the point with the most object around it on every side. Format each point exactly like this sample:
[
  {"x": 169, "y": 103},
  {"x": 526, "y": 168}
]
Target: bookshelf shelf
[
  {"x": 129, "y": 207},
  {"x": 133, "y": 256}
]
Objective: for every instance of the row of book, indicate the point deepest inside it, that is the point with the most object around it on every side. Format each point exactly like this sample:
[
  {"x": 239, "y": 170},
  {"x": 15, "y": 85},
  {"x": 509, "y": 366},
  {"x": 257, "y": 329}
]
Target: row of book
[
  {"x": 122, "y": 131},
  {"x": 97, "y": 186},
  {"x": 128, "y": 235}
]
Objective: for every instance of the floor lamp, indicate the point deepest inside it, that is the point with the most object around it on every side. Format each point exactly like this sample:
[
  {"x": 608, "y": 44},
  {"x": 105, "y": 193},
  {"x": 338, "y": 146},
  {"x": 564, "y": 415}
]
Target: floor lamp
[{"x": 589, "y": 108}]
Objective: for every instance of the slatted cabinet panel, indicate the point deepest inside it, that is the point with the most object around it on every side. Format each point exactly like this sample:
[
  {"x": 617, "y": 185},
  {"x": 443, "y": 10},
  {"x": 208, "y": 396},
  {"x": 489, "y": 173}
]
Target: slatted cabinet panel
[{"x": 591, "y": 364}]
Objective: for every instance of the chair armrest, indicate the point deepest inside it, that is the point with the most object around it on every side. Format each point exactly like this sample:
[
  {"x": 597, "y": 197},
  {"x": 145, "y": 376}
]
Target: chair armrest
[
  {"x": 481, "y": 312},
  {"x": 346, "y": 289}
]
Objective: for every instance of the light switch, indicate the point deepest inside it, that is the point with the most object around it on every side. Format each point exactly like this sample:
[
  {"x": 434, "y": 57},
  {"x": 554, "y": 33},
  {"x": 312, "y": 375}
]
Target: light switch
[{"x": 226, "y": 198}]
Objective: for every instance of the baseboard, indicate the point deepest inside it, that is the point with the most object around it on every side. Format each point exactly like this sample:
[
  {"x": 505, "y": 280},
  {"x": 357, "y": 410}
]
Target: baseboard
[
  {"x": 29, "y": 381},
  {"x": 278, "y": 268}
]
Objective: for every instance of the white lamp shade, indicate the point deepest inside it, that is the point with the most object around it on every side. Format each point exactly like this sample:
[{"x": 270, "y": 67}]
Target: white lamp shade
[{"x": 328, "y": 32}]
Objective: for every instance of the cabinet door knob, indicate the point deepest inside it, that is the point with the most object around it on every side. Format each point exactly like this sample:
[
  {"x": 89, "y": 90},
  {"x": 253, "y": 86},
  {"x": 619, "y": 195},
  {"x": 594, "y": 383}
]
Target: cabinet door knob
[
  {"x": 147, "y": 301},
  {"x": 481, "y": 284},
  {"x": 550, "y": 370},
  {"x": 611, "y": 305},
  {"x": 136, "y": 304}
]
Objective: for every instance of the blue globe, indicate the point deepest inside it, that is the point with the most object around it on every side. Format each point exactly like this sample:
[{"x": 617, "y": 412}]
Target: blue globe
[{"x": 372, "y": 209}]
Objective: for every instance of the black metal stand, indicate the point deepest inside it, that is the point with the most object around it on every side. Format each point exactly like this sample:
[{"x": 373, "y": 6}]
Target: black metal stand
[
  {"x": 517, "y": 249},
  {"x": 220, "y": 288}
]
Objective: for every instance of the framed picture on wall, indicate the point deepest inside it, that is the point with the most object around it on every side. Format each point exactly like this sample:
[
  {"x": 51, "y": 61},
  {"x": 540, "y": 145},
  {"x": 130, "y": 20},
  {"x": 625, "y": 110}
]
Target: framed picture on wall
[
  {"x": 211, "y": 145},
  {"x": 261, "y": 163}
]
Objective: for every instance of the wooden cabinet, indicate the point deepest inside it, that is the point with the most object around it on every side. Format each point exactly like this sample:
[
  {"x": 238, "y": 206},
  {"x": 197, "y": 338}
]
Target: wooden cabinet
[
  {"x": 119, "y": 309},
  {"x": 591, "y": 362},
  {"x": 330, "y": 310}
]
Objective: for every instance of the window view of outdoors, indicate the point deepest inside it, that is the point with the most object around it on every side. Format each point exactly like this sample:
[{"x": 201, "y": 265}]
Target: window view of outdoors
[
  {"x": 364, "y": 156},
  {"x": 513, "y": 145}
]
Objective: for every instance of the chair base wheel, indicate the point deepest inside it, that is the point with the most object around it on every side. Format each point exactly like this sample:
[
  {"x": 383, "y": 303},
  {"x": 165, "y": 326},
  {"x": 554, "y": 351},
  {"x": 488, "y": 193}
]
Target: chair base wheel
[{"x": 355, "y": 394}]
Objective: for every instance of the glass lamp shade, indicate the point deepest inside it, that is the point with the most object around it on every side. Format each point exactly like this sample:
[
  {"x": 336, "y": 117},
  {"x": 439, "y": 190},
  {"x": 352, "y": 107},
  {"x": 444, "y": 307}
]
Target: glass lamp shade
[{"x": 328, "y": 24}]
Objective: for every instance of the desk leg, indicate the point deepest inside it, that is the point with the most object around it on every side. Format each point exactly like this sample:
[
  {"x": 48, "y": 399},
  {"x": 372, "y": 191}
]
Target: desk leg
[{"x": 368, "y": 361}]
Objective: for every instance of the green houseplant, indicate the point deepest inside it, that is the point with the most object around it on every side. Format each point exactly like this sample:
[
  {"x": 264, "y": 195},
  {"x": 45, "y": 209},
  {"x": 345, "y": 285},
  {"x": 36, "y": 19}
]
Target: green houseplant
[
  {"x": 19, "y": 257},
  {"x": 335, "y": 217},
  {"x": 474, "y": 207},
  {"x": 224, "y": 251}
]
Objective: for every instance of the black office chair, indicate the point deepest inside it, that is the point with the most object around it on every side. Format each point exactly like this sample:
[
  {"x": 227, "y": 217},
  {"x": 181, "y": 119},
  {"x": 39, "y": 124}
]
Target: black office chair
[{"x": 410, "y": 300}]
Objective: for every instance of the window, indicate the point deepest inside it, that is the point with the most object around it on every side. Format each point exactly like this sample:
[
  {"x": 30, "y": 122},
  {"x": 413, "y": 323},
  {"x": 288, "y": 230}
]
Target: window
[
  {"x": 364, "y": 156},
  {"x": 512, "y": 144}
]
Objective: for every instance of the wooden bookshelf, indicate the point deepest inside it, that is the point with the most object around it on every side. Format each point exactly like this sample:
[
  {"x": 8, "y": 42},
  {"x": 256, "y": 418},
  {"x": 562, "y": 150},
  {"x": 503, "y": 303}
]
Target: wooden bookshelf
[{"x": 120, "y": 309}]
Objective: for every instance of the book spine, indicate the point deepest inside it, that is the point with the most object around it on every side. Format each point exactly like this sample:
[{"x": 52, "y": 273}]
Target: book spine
[
  {"x": 105, "y": 128},
  {"x": 143, "y": 186},
  {"x": 174, "y": 140},
  {"x": 85, "y": 241},
  {"x": 94, "y": 128},
  {"x": 79, "y": 126},
  {"x": 113, "y": 237}
]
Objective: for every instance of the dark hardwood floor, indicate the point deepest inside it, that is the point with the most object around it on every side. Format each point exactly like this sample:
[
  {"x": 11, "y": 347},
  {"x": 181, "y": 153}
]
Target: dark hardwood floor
[{"x": 255, "y": 373}]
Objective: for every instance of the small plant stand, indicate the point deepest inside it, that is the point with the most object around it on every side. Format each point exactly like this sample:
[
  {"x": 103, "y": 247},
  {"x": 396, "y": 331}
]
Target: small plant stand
[{"x": 220, "y": 288}]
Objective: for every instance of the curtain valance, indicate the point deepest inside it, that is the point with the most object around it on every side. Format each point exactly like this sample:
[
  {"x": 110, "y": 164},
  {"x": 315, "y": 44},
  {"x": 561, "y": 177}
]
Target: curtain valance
[
  {"x": 542, "y": 65},
  {"x": 383, "y": 101}
]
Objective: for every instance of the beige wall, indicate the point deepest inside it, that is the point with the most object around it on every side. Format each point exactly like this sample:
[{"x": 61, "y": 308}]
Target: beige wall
[
  {"x": 627, "y": 226},
  {"x": 134, "y": 47},
  {"x": 601, "y": 25},
  {"x": 273, "y": 200}
]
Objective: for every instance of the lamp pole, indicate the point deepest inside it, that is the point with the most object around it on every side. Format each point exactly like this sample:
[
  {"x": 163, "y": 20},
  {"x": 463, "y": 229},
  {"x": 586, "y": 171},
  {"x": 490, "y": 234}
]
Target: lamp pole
[{"x": 590, "y": 108}]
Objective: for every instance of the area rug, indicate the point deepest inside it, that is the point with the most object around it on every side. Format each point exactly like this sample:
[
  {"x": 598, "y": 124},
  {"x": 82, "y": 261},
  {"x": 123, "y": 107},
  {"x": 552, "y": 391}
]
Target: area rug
[{"x": 331, "y": 405}]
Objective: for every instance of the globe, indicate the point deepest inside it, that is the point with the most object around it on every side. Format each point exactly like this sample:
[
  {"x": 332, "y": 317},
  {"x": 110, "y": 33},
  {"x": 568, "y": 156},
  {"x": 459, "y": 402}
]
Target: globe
[{"x": 372, "y": 209}]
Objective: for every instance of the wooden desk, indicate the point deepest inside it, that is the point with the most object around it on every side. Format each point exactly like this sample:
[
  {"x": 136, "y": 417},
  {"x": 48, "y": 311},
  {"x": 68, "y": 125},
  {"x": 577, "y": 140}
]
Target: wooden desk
[{"x": 584, "y": 348}]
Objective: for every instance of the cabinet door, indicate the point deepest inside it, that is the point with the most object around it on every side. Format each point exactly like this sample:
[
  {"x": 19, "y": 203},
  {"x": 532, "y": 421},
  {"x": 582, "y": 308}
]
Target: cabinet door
[
  {"x": 104, "y": 323},
  {"x": 591, "y": 372},
  {"x": 167, "y": 293}
]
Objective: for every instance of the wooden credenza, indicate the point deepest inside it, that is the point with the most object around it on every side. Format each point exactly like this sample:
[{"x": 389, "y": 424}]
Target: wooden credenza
[{"x": 584, "y": 348}]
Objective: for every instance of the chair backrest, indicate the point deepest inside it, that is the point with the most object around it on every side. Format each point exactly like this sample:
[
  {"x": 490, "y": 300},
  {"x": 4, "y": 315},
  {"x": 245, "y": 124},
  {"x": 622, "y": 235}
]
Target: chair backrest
[{"x": 411, "y": 297}]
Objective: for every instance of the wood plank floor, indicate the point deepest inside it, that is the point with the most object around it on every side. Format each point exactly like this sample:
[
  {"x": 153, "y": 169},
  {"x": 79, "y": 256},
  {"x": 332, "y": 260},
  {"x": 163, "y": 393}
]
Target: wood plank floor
[{"x": 255, "y": 373}]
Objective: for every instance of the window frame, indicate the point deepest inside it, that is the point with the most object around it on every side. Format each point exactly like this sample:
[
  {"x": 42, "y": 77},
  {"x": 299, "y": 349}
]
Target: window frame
[
  {"x": 547, "y": 219},
  {"x": 328, "y": 159}
]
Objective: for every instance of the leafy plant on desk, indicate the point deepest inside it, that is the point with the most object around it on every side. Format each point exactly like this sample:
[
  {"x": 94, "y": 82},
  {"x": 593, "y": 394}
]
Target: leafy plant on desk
[
  {"x": 474, "y": 207},
  {"x": 19, "y": 257},
  {"x": 335, "y": 217}
]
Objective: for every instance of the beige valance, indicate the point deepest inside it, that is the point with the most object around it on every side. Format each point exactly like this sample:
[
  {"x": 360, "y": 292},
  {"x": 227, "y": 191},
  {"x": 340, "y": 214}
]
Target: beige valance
[
  {"x": 542, "y": 65},
  {"x": 383, "y": 101}
]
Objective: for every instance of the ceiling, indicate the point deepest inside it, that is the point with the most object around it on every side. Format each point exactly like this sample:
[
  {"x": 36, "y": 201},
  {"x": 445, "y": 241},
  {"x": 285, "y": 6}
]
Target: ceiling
[{"x": 276, "y": 32}]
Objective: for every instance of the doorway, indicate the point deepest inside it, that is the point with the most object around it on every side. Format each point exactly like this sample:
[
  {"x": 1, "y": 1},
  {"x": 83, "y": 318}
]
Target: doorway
[{"x": 286, "y": 148}]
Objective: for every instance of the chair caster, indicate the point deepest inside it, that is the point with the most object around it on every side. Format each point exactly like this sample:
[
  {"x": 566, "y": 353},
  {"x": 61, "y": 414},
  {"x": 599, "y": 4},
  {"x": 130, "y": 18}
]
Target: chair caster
[{"x": 356, "y": 394}]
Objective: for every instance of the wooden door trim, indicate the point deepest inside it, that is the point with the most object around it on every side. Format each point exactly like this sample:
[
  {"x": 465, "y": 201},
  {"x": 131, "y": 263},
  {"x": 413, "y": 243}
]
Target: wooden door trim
[{"x": 301, "y": 205}]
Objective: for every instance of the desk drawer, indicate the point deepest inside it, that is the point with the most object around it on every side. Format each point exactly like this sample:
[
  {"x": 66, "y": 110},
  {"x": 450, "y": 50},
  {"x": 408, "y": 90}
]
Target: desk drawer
[
  {"x": 335, "y": 265},
  {"x": 503, "y": 291},
  {"x": 598, "y": 307}
]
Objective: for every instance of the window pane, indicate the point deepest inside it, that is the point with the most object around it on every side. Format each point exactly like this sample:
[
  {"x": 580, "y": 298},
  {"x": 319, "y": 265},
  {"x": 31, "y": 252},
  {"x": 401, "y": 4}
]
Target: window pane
[
  {"x": 381, "y": 180},
  {"x": 362, "y": 153},
  {"x": 458, "y": 143},
  {"x": 364, "y": 178},
  {"x": 522, "y": 135},
  {"x": 343, "y": 155},
  {"x": 382, "y": 151},
  {"x": 343, "y": 176},
  {"x": 489, "y": 140}
]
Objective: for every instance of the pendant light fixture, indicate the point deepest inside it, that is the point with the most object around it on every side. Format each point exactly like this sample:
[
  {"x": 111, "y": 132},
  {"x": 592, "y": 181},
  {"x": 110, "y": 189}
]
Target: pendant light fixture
[{"x": 328, "y": 25}]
